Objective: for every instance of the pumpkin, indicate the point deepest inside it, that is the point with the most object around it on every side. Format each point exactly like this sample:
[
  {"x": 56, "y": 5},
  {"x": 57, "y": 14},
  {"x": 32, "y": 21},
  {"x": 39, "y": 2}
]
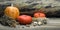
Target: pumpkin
[
  {"x": 12, "y": 12},
  {"x": 24, "y": 19},
  {"x": 39, "y": 15},
  {"x": 36, "y": 15}
]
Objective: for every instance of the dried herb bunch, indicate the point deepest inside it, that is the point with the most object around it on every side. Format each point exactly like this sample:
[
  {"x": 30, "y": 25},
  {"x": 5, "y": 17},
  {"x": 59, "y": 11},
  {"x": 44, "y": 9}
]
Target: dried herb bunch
[{"x": 8, "y": 21}]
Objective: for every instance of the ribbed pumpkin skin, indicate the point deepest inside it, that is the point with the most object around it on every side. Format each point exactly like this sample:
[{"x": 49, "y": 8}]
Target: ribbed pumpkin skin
[
  {"x": 36, "y": 15},
  {"x": 39, "y": 15},
  {"x": 12, "y": 12}
]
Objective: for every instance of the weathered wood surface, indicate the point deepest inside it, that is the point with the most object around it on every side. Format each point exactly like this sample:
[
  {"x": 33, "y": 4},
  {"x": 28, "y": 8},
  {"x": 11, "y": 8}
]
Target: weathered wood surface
[{"x": 53, "y": 24}]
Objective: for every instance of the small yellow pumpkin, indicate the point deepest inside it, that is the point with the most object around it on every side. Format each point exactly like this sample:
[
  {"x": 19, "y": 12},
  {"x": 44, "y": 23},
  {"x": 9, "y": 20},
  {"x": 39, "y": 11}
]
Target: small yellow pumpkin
[{"x": 12, "y": 12}]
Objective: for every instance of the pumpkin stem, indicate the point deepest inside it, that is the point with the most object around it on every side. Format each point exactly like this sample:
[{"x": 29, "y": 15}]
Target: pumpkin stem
[{"x": 12, "y": 4}]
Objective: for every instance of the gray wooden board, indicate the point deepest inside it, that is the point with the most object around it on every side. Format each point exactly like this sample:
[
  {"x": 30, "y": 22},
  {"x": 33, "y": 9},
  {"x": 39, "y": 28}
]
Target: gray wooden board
[{"x": 53, "y": 24}]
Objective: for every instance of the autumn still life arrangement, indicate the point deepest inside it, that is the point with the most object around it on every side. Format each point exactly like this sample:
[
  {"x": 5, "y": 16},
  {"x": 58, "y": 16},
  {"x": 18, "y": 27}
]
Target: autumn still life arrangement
[{"x": 12, "y": 18}]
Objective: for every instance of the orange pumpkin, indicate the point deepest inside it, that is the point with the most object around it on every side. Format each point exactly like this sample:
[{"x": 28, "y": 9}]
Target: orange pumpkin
[
  {"x": 36, "y": 15},
  {"x": 39, "y": 15},
  {"x": 12, "y": 12}
]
